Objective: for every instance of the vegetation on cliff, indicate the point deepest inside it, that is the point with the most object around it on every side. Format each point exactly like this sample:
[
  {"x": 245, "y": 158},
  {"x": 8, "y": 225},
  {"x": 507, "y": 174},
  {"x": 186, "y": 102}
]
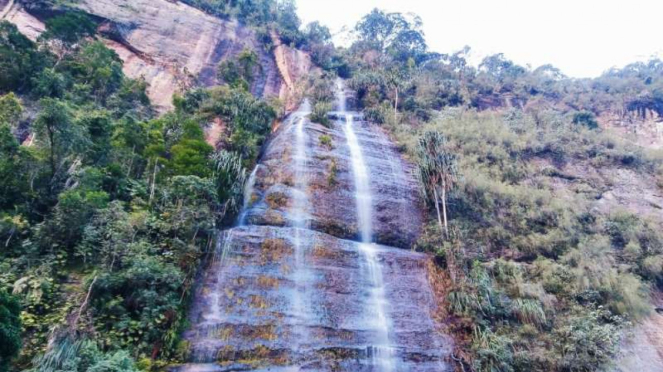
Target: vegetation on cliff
[
  {"x": 107, "y": 211},
  {"x": 538, "y": 278}
]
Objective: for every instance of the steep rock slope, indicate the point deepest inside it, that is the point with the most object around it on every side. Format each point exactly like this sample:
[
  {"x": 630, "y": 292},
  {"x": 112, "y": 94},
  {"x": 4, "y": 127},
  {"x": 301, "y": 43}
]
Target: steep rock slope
[
  {"x": 174, "y": 46},
  {"x": 290, "y": 290},
  {"x": 396, "y": 219},
  {"x": 29, "y": 25},
  {"x": 615, "y": 189}
]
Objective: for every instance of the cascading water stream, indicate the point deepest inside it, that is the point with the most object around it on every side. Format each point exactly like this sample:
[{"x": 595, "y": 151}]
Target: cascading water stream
[
  {"x": 299, "y": 217},
  {"x": 282, "y": 294},
  {"x": 248, "y": 195},
  {"x": 381, "y": 353}
]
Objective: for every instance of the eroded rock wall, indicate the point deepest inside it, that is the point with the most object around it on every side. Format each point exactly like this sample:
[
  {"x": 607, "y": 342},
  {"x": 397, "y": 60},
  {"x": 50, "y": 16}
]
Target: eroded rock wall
[
  {"x": 174, "y": 46},
  {"x": 396, "y": 216},
  {"x": 292, "y": 288}
]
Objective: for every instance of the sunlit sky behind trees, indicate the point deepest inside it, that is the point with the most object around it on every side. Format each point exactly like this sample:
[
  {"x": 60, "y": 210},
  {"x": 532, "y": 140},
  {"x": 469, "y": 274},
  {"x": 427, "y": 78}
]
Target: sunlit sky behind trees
[{"x": 581, "y": 37}]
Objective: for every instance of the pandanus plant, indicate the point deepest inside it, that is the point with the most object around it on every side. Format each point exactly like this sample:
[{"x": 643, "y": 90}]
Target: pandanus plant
[
  {"x": 437, "y": 173},
  {"x": 230, "y": 177}
]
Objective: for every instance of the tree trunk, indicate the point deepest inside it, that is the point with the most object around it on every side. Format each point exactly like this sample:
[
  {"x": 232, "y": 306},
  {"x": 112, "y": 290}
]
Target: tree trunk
[
  {"x": 444, "y": 206},
  {"x": 51, "y": 139},
  {"x": 437, "y": 207},
  {"x": 396, "y": 106},
  {"x": 154, "y": 179},
  {"x": 83, "y": 305}
]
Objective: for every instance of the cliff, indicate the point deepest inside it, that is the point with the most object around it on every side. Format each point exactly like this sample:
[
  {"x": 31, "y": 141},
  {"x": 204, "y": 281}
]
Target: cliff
[{"x": 174, "y": 46}]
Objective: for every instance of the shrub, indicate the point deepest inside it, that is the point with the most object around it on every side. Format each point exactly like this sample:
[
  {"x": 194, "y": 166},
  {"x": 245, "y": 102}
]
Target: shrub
[
  {"x": 326, "y": 141},
  {"x": 586, "y": 119},
  {"x": 10, "y": 329},
  {"x": 320, "y": 111},
  {"x": 586, "y": 341}
]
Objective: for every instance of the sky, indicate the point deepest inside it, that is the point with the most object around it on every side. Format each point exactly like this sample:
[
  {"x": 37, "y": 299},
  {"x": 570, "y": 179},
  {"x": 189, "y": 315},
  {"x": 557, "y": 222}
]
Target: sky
[{"x": 583, "y": 38}]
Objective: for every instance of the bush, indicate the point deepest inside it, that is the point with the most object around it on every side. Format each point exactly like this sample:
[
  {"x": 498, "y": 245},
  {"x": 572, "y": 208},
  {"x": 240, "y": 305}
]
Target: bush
[
  {"x": 326, "y": 141},
  {"x": 10, "y": 329},
  {"x": 586, "y": 119},
  {"x": 586, "y": 341},
  {"x": 320, "y": 111}
]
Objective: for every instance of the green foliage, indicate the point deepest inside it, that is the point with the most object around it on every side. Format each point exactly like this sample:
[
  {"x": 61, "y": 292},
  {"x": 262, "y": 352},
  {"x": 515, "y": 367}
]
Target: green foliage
[
  {"x": 10, "y": 109},
  {"x": 69, "y": 28},
  {"x": 395, "y": 34},
  {"x": 437, "y": 171},
  {"x": 526, "y": 260},
  {"x": 266, "y": 14},
  {"x": 10, "y": 329},
  {"x": 585, "y": 341},
  {"x": 320, "y": 111},
  {"x": 249, "y": 119},
  {"x": 60, "y": 136},
  {"x": 19, "y": 59},
  {"x": 240, "y": 73},
  {"x": 333, "y": 173},
  {"x": 190, "y": 155},
  {"x": 585, "y": 118},
  {"x": 108, "y": 198},
  {"x": 67, "y": 354},
  {"x": 229, "y": 176},
  {"x": 13, "y": 170},
  {"x": 326, "y": 141},
  {"x": 136, "y": 304}
]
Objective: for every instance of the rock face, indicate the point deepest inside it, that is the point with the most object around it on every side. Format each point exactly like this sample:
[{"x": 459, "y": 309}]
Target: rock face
[
  {"x": 294, "y": 287},
  {"x": 171, "y": 45},
  {"x": 396, "y": 215},
  {"x": 245, "y": 319},
  {"x": 26, "y": 23}
]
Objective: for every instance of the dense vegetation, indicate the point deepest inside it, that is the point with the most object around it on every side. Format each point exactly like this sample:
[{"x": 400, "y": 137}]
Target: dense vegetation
[
  {"x": 538, "y": 278},
  {"x": 107, "y": 212}
]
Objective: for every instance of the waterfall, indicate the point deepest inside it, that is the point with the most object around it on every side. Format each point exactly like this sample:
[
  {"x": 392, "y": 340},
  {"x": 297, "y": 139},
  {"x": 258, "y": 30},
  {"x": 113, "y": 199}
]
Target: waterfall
[
  {"x": 381, "y": 353},
  {"x": 299, "y": 212},
  {"x": 283, "y": 294},
  {"x": 248, "y": 195}
]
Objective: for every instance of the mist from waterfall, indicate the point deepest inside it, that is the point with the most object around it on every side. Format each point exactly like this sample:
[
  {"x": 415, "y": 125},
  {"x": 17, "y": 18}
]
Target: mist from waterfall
[{"x": 381, "y": 352}]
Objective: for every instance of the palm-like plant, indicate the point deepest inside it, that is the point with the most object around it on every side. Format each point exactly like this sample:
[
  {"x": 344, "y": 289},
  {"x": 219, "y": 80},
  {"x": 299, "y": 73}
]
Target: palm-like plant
[
  {"x": 230, "y": 177},
  {"x": 437, "y": 172}
]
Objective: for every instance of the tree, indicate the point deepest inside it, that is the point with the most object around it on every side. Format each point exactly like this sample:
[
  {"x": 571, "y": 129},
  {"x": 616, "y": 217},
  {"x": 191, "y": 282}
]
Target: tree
[
  {"x": 69, "y": 28},
  {"x": 437, "y": 172},
  {"x": 10, "y": 329},
  {"x": 55, "y": 126},
  {"x": 239, "y": 73},
  {"x": 585, "y": 118},
  {"x": 10, "y": 109},
  {"x": 96, "y": 69},
  {"x": 229, "y": 176},
  {"x": 288, "y": 22},
  {"x": 19, "y": 59},
  {"x": 13, "y": 161},
  {"x": 190, "y": 156},
  {"x": 319, "y": 44},
  {"x": 393, "y": 33}
]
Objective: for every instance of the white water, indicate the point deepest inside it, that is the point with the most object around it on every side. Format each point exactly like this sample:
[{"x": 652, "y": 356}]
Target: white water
[
  {"x": 299, "y": 214},
  {"x": 248, "y": 195},
  {"x": 381, "y": 353}
]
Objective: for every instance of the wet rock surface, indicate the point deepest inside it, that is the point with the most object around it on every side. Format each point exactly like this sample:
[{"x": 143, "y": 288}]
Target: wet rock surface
[
  {"x": 296, "y": 288},
  {"x": 396, "y": 215},
  {"x": 244, "y": 318}
]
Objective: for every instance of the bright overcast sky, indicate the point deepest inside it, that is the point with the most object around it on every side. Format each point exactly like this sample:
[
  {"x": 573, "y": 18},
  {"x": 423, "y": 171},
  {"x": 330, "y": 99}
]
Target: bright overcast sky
[{"x": 581, "y": 37}]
